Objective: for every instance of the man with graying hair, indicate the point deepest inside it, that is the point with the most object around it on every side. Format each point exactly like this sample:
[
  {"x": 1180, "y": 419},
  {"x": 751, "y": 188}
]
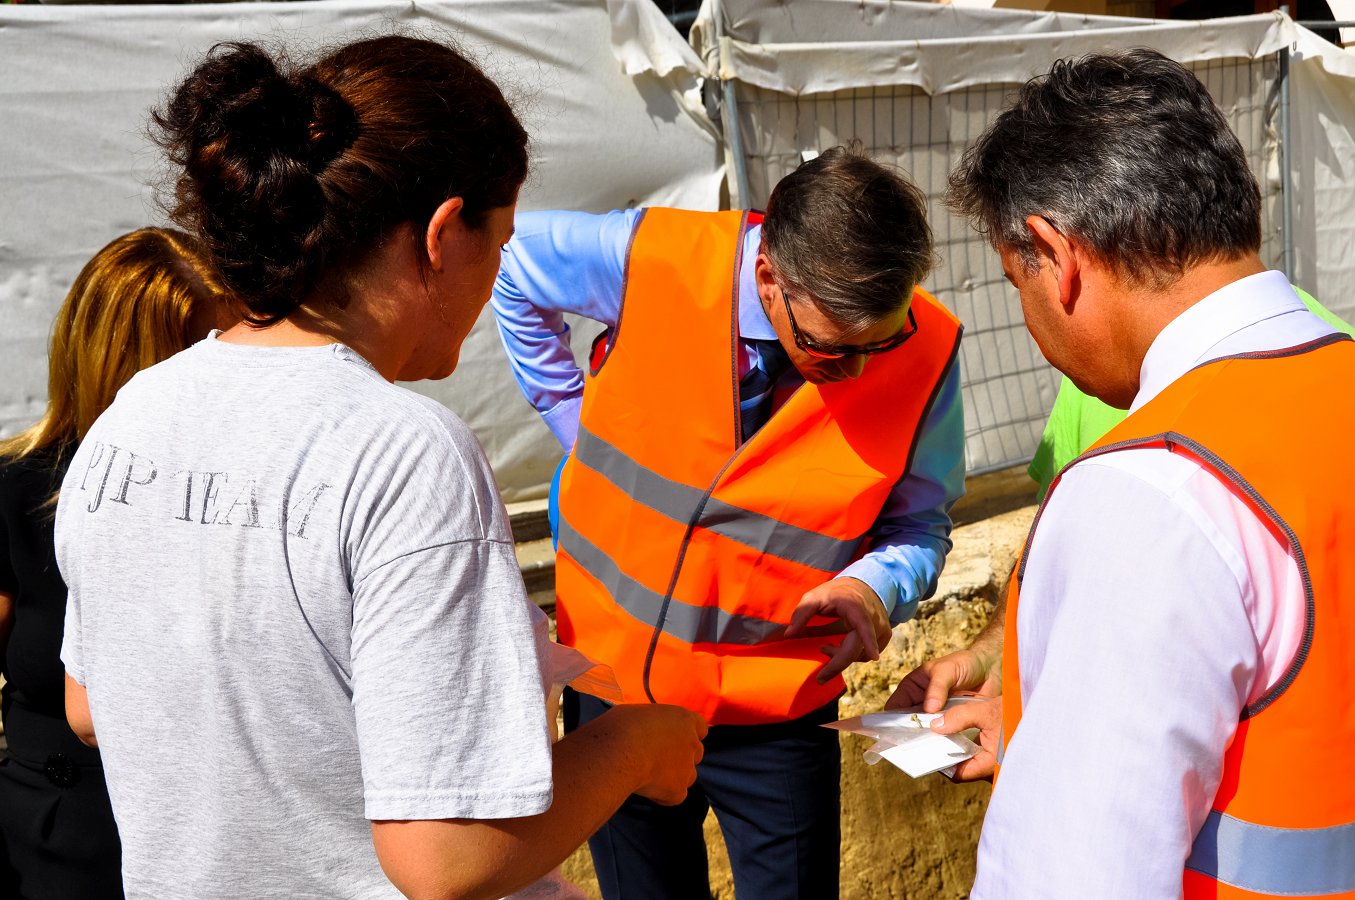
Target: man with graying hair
[
  {"x": 1180, "y": 633},
  {"x": 769, "y": 432}
]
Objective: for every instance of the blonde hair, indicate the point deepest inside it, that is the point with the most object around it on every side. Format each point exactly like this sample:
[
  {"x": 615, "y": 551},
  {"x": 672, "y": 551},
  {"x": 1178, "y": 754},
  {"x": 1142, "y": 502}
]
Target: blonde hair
[{"x": 130, "y": 307}]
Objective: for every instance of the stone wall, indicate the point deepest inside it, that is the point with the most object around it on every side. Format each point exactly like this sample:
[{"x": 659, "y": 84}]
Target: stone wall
[{"x": 905, "y": 838}]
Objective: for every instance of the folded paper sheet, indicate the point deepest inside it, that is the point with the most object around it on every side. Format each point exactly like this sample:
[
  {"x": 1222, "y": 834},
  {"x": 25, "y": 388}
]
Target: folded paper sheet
[{"x": 904, "y": 738}]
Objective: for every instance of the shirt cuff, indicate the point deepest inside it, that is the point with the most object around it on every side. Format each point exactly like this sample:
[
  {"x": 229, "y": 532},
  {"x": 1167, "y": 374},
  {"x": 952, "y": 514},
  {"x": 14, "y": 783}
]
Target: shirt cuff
[
  {"x": 73, "y": 665},
  {"x": 884, "y": 586},
  {"x": 563, "y": 420},
  {"x": 381, "y": 806}
]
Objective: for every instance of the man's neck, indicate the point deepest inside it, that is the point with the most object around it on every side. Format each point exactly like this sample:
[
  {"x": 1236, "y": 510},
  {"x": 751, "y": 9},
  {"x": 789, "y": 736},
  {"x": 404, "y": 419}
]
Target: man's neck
[
  {"x": 1204, "y": 279},
  {"x": 1150, "y": 309}
]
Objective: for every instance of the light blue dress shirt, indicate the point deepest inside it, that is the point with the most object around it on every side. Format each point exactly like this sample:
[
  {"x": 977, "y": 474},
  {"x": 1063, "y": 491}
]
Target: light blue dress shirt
[{"x": 572, "y": 262}]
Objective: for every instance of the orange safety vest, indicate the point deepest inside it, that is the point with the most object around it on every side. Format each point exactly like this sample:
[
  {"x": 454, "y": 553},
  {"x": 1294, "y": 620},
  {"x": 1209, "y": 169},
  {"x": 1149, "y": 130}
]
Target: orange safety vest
[
  {"x": 683, "y": 551},
  {"x": 1277, "y": 429}
]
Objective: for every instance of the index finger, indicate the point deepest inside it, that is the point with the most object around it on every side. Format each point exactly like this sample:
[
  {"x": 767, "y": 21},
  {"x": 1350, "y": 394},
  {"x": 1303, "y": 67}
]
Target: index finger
[
  {"x": 912, "y": 690},
  {"x": 841, "y": 658},
  {"x": 802, "y": 613},
  {"x": 831, "y": 629},
  {"x": 861, "y": 626},
  {"x": 938, "y": 692}
]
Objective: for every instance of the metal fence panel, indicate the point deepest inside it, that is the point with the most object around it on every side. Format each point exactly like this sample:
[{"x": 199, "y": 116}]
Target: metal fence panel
[{"x": 1007, "y": 385}]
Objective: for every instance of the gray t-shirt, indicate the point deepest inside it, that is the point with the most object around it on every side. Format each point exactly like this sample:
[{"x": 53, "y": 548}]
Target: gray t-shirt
[{"x": 295, "y": 606}]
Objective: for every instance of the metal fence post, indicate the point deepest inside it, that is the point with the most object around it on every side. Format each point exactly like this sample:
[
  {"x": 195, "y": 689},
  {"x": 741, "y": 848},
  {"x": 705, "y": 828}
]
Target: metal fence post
[
  {"x": 729, "y": 115},
  {"x": 1286, "y": 169}
]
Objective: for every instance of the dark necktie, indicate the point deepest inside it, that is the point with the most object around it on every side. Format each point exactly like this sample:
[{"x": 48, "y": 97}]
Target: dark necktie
[{"x": 758, "y": 386}]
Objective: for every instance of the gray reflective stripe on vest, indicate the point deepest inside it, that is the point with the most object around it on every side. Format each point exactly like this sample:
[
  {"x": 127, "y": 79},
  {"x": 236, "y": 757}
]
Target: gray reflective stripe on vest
[
  {"x": 1303, "y": 862},
  {"x": 693, "y": 624},
  {"x": 678, "y": 501}
]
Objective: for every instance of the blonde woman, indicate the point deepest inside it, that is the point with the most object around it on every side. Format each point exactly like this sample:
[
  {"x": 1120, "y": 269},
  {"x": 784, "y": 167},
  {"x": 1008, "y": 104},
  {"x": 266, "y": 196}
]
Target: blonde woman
[{"x": 141, "y": 299}]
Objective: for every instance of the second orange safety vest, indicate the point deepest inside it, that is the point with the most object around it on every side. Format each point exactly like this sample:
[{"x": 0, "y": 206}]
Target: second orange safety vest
[
  {"x": 1278, "y": 429},
  {"x": 683, "y": 550}
]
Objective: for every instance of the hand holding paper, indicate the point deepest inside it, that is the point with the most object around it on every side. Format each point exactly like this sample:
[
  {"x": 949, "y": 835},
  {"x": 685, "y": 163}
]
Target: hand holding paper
[
  {"x": 977, "y": 668},
  {"x": 985, "y": 714},
  {"x": 907, "y": 739}
]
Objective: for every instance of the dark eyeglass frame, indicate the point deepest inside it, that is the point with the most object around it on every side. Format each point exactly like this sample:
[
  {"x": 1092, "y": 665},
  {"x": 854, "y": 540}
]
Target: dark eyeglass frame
[{"x": 819, "y": 351}]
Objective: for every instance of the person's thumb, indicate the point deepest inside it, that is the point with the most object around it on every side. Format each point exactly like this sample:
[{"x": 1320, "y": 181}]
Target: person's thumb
[{"x": 966, "y": 715}]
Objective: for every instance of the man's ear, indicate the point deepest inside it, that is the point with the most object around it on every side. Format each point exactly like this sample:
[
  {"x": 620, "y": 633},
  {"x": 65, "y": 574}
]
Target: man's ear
[
  {"x": 1055, "y": 250},
  {"x": 445, "y": 217},
  {"x": 764, "y": 277}
]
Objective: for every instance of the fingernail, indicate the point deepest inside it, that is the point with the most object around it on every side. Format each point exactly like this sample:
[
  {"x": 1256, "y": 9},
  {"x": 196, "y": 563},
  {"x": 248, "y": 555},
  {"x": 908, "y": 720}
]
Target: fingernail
[{"x": 938, "y": 723}]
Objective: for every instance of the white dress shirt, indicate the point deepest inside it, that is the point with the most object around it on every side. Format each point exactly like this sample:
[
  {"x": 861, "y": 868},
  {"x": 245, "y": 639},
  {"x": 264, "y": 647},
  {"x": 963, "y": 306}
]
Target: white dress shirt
[{"x": 1155, "y": 606}]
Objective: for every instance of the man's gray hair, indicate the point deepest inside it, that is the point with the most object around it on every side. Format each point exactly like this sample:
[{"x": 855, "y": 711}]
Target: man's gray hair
[{"x": 1125, "y": 152}]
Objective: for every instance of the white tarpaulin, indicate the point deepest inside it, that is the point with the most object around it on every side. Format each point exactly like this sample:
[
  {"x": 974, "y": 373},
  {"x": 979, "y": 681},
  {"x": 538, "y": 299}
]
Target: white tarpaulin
[
  {"x": 820, "y": 46},
  {"x": 76, "y": 83},
  {"x": 1322, "y": 150}
]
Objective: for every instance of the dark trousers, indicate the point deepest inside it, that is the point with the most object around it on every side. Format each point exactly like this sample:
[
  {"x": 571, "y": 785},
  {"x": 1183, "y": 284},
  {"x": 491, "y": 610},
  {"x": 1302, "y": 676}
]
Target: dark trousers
[
  {"x": 775, "y": 792},
  {"x": 57, "y": 842}
]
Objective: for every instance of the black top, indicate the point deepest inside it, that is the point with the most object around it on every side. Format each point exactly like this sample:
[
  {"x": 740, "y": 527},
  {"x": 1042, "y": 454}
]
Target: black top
[{"x": 34, "y": 699}]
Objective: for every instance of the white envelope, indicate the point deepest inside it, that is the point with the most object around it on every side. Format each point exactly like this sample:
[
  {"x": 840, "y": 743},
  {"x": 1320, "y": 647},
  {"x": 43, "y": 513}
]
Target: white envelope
[{"x": 905, "y": 739}]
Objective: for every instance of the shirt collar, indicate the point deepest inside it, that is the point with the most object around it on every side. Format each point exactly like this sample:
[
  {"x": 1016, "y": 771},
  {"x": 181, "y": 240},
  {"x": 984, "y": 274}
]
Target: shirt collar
[
  {"x": 753, "y": 322},
  {"x": 1191, "y": 338}
]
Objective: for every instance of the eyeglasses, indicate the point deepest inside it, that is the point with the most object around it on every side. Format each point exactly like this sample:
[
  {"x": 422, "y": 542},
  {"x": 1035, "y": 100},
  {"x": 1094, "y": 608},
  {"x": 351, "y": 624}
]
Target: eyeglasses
[{"x": 822, "y": 351}]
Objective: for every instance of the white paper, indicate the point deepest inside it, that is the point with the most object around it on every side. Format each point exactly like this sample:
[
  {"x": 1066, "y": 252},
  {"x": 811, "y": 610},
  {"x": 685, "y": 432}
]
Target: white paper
[
  {"x": 929, "y": 752},
  {"x": 904, "y": 738}
]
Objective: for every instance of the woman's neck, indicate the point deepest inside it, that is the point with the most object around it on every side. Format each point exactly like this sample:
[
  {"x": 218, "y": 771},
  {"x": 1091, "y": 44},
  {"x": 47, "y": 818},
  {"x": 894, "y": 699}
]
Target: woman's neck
[
  {"x": 283, "y": 333},
  {"x": 369, "y": 322}
]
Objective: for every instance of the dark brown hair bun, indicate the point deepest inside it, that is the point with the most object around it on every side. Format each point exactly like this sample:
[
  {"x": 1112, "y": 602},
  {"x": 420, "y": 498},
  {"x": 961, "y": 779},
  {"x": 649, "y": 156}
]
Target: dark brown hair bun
[
  {"x": 291, "y": 175},
  {"x": 331, "y": 125}
]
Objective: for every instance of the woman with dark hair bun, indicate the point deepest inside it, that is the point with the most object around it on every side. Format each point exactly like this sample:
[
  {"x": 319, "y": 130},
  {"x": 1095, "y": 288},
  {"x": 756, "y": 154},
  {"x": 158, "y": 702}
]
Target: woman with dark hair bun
[{"x": 296, "y": 623}]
